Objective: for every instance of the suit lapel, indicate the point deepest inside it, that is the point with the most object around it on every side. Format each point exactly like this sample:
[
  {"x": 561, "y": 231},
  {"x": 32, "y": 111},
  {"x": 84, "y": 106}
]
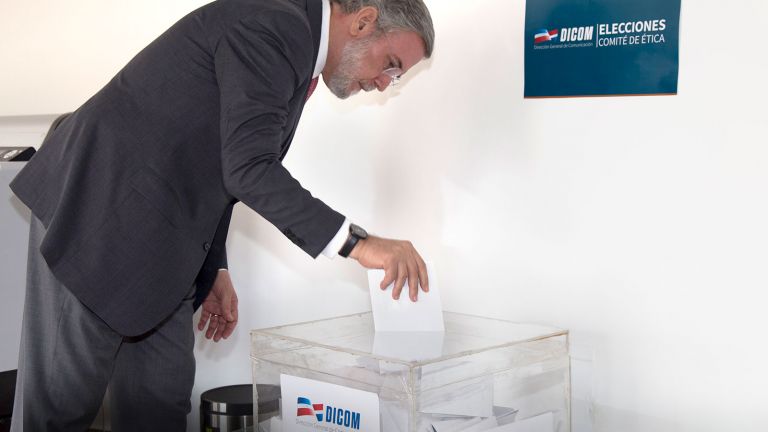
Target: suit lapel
[{"x": 314, "y": 10}]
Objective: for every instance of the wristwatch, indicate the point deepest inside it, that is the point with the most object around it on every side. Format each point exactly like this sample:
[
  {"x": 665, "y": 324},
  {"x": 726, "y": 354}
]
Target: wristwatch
[{"x": 356, "y": 234}]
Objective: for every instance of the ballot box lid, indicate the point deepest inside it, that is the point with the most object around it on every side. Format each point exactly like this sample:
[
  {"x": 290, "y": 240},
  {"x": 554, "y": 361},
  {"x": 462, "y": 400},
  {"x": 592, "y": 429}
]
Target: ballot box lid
[{"x": 464, "y": 335}]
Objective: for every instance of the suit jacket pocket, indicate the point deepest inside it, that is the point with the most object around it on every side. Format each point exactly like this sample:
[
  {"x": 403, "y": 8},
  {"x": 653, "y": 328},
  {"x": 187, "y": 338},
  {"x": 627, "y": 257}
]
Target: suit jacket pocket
[{"x": 135, "y": 268}]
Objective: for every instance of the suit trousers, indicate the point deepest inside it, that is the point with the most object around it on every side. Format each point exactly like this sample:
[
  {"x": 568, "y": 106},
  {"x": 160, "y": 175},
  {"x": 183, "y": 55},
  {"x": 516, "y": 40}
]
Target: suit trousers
[{"x": 69, "y": 357}]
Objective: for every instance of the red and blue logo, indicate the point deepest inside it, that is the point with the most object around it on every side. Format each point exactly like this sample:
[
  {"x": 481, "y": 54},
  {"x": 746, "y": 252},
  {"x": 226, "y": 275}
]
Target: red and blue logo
[
  {"x": 544, "y": 35},
  {"x": 304, "y": 407},
  {"x": 325, "y": 413}
]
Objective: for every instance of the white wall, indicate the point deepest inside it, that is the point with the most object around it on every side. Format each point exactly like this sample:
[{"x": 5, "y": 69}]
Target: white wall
[
  {"x": 56, "y": 54},
  {"x": 637, "y": 223}
]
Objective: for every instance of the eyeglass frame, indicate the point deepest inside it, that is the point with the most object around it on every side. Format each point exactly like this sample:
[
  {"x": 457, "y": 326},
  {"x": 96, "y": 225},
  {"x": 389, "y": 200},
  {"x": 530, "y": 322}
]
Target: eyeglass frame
[{"x": 394, "y": 73}]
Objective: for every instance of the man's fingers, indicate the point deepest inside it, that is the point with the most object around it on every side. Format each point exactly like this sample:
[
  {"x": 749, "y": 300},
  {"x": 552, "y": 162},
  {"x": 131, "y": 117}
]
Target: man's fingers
[
  {"x": 401, "y": 264},
  {"x": 402, "y": 274},
  {"x": 203, "y": 319},
  {"x": 413, "y": 282},
  {"x": 423, "y": 276},
  {"x": 233, "y": 308},
  {"x": 217, "y": 331},
  {"x": 225, "y": 330},
  {"x": 212, "y": 325},
  {"x": 389, "y": 276},
  {"x": 230, "y": 327}
]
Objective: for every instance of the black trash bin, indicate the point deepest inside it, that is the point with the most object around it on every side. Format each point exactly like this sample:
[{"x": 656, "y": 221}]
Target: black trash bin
[
  {"x": 7, "y": 388},
  {"x": 230, "y": 408}
]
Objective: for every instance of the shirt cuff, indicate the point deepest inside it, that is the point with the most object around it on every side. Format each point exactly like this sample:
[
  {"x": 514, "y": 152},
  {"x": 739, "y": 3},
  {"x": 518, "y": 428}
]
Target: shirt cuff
[{"x": 332, "y": 250}]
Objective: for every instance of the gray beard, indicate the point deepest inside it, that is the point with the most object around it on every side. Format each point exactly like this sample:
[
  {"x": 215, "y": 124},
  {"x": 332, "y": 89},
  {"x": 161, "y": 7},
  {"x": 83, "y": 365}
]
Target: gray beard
[{"x": 351, "y": 56}]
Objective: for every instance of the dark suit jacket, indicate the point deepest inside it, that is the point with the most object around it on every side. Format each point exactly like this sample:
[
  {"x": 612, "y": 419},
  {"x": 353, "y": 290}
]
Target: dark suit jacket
[{"x": 136, "y": 187}]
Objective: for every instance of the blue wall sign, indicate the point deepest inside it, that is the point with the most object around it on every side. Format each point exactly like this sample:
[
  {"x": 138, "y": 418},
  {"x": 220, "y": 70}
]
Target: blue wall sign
[{"x": 601, "y": 47}]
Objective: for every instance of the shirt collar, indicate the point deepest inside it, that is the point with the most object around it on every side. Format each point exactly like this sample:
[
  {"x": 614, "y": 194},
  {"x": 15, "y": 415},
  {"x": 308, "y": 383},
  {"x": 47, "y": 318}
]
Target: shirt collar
[{"x": 322, "y": 54}]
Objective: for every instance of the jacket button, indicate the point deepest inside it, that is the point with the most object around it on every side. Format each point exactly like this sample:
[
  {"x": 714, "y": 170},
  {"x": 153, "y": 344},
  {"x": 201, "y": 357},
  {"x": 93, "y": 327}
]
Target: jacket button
[{"x": 206, "y": 246}]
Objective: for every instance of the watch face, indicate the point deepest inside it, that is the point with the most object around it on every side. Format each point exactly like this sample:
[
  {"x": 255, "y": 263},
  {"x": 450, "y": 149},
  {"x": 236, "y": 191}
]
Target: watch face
[{"x": 357, "y": 231}]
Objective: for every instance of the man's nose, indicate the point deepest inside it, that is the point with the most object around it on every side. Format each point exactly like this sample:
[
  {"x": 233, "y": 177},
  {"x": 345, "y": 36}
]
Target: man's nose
[{"x": 382, "y": 82}]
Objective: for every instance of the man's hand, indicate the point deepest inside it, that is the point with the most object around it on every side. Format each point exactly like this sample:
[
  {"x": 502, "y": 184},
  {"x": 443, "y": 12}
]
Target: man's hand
[
  {"x": 220, "y": 307},
  {"x": 399, "y": 260}
]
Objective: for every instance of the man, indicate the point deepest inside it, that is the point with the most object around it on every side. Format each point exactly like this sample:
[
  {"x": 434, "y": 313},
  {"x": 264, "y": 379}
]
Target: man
[{"x": 133, "y": 192}]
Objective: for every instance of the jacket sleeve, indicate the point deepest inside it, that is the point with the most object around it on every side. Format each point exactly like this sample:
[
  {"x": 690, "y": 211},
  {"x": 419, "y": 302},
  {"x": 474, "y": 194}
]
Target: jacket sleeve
[
  {"x": 215, "y": 260},
  {"x": 217, "y": 256},
  {"x": 261, "y": 65}
]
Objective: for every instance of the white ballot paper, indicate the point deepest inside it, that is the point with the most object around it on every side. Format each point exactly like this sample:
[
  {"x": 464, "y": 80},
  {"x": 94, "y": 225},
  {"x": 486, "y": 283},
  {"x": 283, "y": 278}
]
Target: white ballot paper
[
  {"x": 540, "y": 423},
  {"x": 471, "y": 398},
  {"x": 404, "y": 315},
  {"x": 408, "y": 346}
]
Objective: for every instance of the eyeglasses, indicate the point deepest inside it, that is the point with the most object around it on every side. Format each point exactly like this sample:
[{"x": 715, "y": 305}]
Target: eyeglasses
[
  {"x": 394, "y": 72},
  {"x": 394, "y": 75}
]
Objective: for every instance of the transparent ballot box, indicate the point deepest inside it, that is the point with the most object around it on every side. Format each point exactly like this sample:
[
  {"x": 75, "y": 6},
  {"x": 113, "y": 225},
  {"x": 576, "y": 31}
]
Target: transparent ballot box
[{"x": 480, "y": 374}]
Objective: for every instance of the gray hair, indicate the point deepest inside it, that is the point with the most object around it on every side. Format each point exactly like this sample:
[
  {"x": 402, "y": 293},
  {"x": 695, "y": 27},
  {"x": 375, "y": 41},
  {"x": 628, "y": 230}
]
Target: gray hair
[{"x": 408, "y": 15}]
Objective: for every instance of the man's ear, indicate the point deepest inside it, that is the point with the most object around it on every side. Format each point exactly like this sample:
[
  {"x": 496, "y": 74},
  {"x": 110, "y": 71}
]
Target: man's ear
[{"x": 365, "y": 22}]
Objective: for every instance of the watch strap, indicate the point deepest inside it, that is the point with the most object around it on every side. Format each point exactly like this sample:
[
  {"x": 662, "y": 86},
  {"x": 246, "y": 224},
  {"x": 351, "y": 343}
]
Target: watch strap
[{"x": 351, "y": 242}]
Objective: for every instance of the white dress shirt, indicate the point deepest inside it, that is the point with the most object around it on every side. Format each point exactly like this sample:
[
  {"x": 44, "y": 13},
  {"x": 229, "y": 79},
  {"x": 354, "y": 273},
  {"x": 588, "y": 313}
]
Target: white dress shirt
[{"x": 332, "y": 249}]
